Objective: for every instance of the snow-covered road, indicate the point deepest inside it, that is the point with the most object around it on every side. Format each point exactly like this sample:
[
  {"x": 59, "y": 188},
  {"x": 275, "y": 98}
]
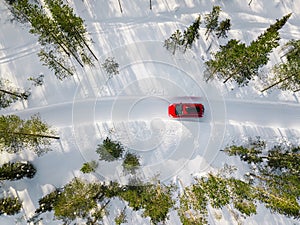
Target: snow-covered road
[{"x": 130, "y": 108}]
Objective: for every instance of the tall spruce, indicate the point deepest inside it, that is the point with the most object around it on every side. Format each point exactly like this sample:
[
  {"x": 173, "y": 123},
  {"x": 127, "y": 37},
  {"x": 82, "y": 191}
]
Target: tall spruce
[
  {"x": 73, "y": 28},
  {"x": 223, "y": 28},
  {"x": 287, "y": 73},
  {"x": 211, "y": 20},
  {"x": 17, "y": 170},
  {"x": 191, "y": 33},
  {"x": 17, "y": 134},
  {"x": 242, "y": 63},
  {"x": 174, "y": 42},
  {"x": 276, "y": 176},
  {"x": 61, "y": 34}
]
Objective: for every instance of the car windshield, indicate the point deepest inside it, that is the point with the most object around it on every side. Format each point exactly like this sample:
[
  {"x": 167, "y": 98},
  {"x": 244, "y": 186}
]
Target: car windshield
[
  {"x": 178, "y": 109},
  {"x": 193, "y": 110}
]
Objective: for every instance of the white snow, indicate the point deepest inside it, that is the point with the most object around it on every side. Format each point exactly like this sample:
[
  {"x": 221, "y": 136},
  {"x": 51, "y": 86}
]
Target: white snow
[{"x": 132, "y": 106}]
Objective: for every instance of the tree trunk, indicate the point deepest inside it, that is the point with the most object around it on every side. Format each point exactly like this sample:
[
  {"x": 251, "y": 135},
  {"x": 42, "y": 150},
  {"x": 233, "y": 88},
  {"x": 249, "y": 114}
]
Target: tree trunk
[
  {"x": 11, "y": 93},
  {"x": 120, "y": 6},
  {"x": 88, "y": 47},
  {"x": 278, "y": 82},
  {"x": 58, "y": 63},
  {"x": 34, "y": 135},
  {"x": 150, "y": 4}
]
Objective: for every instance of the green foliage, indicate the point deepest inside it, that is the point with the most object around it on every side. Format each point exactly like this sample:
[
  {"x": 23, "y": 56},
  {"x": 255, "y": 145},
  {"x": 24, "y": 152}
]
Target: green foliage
[
  {"x": 245, "y": 154},
  {"x": 111, "y": 67},
  {"x": 77, "y": 200},
  {"x": 121, "y": 218},
  {"x": 287, "y": 74},
  {"x": 10, "y": 94},
  {"x": 241, "y": 63},
  {"x": 110, "y": 150},
  {"x": 178, "y": 40},
  {"x": 276, "y": 177},
  {"x": 191, "y": 33},
  {"x": 216, "y": 190},
  {"x": 89, "y": 167},
  {"x": 61, "y": 34},
  {"x": 47, "y": 202},
  {"x": 18, "y": 134},
  {"x": 10, "y": 206},
  {"x": 16, "y": 171},
  {"x": 223, "y": 28},
  {"x": 243, "y": 196},
  {"x": 193, "y": 206},
  {"x": 174, "y": 42},
  {"x": 211, "y": 20},
  {"x": 37, "y": 81},
  {"x": 156, "y": 200},
  {"x": 131, "y": 162}
]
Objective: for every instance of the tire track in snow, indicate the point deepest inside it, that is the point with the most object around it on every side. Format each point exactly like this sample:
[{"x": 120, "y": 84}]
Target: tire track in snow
[
  {"x": 18, "y": 52},
  {"x": 263, "y": 113},
  {"x": 260, "y": 113}
]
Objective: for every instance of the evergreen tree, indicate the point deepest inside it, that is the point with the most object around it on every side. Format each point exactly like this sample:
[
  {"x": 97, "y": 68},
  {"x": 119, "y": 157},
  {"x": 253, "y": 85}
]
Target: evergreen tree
[
  {"x": 229, "y": 61},
  {"x": 18, "y": 134},
  {"x": 121, "y": 218},
  {"x": 16, "y": 171},
  {"x": 89, "y": 167},
  {"x": 156, "y": 200},
  {"x": 287, "y": 74},
  {"x": 61, "y": 35},
  {"x": 223, "y": 28},
  {"x": 240, "y": 63},
  {"x": 276, "y": 175},
  {"x": 73, "y": 28},
  {"x": 191, "y": 33},
  {"x": 174, "y": 42},
  {"x": 10, "y": 206},
  {"x": 110, "y": 150},
  {"x": 111, "y": 67},
  {"x": 10, "y": 94},
  {"x": 218, "y": 192},
  {"x": 77, "y": 200},
  {"x": 58, "y": 64},
  {"x": 37, "y": 81},
  {"x": 211, "y": 20},
  {"x": 131, "y": 162}
]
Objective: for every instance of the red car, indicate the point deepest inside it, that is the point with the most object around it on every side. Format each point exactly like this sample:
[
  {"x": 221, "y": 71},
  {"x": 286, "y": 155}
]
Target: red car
[{"x": 186, "y": 110}]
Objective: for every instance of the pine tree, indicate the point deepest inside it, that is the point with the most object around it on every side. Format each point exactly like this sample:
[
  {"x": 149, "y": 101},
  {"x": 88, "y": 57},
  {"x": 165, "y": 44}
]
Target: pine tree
[
  {"x": 10, "y": 206},
  {"x": 89, "y": 167},
  {"x": 57, "y": 63},
  {"x": 10, "y": 94},
  {"x": 73, "y": 28},
  {"x": 174, "y": 42},
  {"x": 17, "y": 170},
  {"x": 276, "y": 177},
  {"x": 211, "y": 20},
  {"x": 156, "y": 200},
  {"x": 111, "y": 67},
  {"x": 191, "y": 33},
  {"x": 287, "y": 74},
  {"x": 223, "y": 28},
  {"x": 18, "y": 134},
  {"x": 110, "y": 150},
  {"x": 131, "y": 162},
  {"x": 242, "y": 63},
  {"x": 229, "y": 61},
  {"x": 77, "y": 200}
]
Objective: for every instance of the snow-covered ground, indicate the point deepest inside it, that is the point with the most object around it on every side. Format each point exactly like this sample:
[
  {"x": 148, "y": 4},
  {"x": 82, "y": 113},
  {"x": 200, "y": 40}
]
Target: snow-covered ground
[{"x": 132, "y": 106}]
